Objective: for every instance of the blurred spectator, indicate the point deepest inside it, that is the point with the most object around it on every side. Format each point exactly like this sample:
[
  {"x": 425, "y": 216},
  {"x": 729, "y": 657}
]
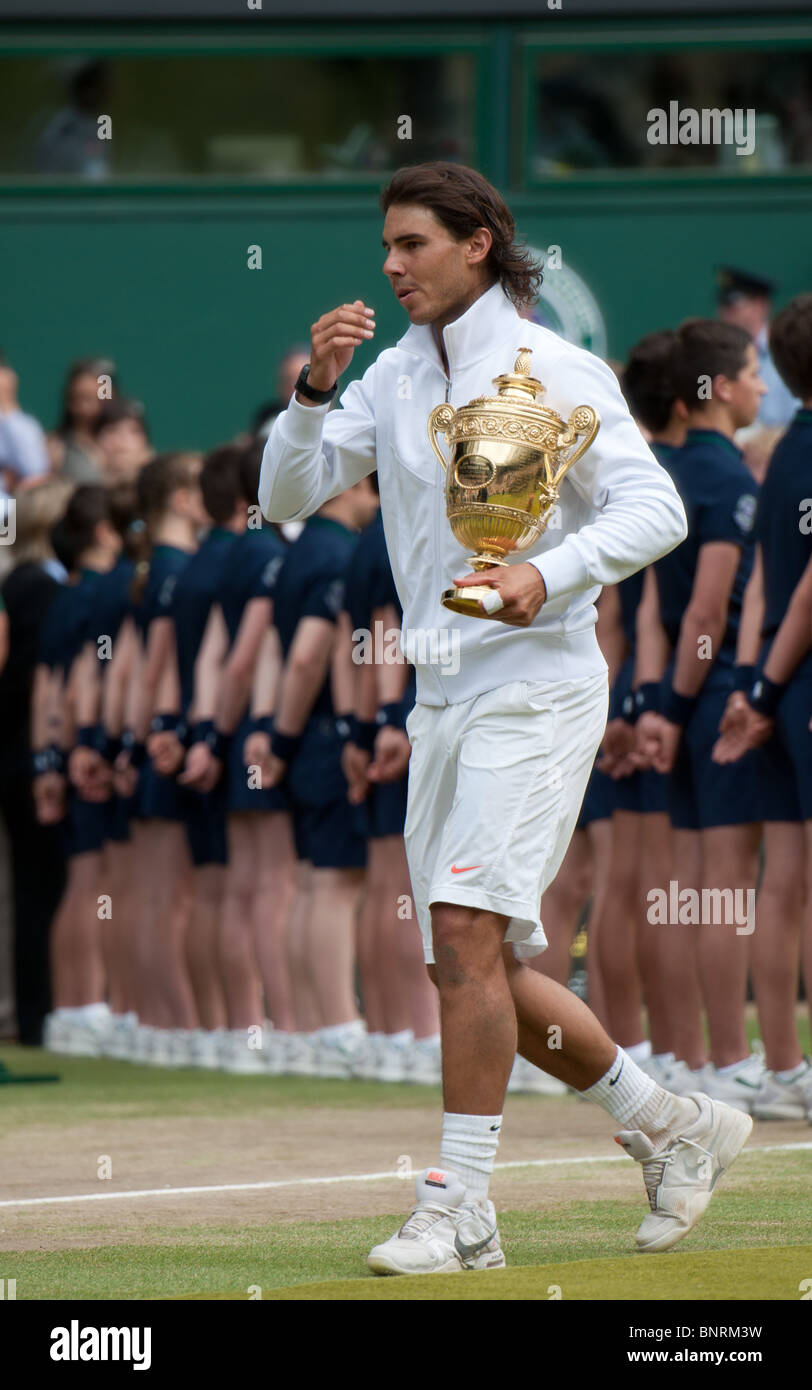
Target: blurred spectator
[
  {"x": 744, "y": 299},
  {"x": 287, "y": 376},
  {"x": 122, "y": 438},
  {"x": 70, "y": 142},
  {"x": 23, "y": 448},
  {"x": 73, "y": 447}
]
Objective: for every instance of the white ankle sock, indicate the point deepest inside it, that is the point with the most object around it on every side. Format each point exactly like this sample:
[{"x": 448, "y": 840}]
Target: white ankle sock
[
  {"x": 469, "y": 1148},
  {"x": 401, "y": 1039},
  {"x": 639, "y": 1052},
  {"x": 637, "y": 1102}
]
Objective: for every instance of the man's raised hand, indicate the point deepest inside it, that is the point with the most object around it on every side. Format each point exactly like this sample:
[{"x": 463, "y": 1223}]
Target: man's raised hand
[{"x": 333, "y": 340}]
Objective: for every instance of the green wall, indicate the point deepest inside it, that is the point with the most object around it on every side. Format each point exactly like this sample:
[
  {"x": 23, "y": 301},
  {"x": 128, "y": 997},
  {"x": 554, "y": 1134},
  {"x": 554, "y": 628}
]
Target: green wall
[{"x": 161, "y": 283}]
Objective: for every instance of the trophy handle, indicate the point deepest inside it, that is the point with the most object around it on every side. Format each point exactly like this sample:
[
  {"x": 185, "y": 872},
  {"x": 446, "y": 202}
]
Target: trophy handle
[
  {"x": 439, "y": 421},
  {"x": 583, "y": 420}
]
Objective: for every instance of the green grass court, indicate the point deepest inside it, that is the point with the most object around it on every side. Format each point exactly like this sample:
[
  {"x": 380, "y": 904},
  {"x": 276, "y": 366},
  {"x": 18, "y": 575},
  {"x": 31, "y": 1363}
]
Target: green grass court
[{"x": 263, "y": 1228}]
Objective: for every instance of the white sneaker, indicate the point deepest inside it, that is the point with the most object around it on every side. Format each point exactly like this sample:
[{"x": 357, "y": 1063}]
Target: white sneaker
[
  {"x": 204, "y": 1048},
  {"x": 425, "y": 1063},
  {"x": 160, "y": 1051},
  {"x": 785, "y": 1100},
  {"x": 444, "y": 1234},
  {"x": 119, "y": 1039},
  {"x": 274, "y": 1050},
  {"x": 365, "y": 1061},
  {"x": 739, "y": 1087},
  {"x": 393, "y": 1059},
  {"x": 77, "y": 1037},
  {"x": 672, "y": 1075},
  {"x": 240, "y": 1055},
  {"x": 335, "y": 1058},
  {"x": 300, "y": 1054},
  {"x": 526, "y": 1079},
  {"x": 681, "y": 1176}
]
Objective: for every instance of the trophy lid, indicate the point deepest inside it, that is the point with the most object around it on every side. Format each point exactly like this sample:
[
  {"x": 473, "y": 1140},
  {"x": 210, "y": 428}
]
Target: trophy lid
[{"x": 519, "y": 385}]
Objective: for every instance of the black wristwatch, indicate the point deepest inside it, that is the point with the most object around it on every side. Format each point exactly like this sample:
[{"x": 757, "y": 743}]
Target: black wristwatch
[{"x": 320, "y": 397}]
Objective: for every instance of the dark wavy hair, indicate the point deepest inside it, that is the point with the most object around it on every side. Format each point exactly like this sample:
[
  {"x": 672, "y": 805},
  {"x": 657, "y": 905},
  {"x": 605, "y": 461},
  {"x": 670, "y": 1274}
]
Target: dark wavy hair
[
  {"x": 463, "y": 200},
  {"x": 647, "y": 381},
  {"x": 791, "y": 345}
]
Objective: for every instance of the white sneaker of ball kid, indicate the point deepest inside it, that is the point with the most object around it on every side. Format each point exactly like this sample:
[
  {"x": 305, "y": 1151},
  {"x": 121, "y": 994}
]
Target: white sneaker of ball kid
[
  {"x": 737, "y": 1086},
  {"x": 789, "y": 1099},
  {"x": 444, "y": 1234},
  {"x": 680, "y": 1177}
]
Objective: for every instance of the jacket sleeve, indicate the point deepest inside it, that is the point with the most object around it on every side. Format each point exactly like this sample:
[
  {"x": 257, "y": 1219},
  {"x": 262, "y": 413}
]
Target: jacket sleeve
[
  {"x": 314, "y": 453},
  {"x": 640, "y": 513}
]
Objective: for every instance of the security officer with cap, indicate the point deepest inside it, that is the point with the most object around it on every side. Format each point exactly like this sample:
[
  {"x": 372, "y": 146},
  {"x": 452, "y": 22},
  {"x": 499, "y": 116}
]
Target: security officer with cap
[{"x": 744, "y": 299}]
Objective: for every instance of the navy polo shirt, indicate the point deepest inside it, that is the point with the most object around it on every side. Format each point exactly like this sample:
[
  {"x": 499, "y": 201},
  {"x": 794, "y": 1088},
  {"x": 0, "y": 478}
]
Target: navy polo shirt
[
  {"x": 255, "y": 564},
  {"x": 312, "y": 584},
  {"x": 720, "y": 498},
  {"x": 196, "y": 590}
]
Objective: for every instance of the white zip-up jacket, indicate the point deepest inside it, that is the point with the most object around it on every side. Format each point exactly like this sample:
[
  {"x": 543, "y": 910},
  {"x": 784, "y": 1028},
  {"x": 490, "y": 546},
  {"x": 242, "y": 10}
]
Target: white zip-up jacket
[{"x": 618, "y": 509}]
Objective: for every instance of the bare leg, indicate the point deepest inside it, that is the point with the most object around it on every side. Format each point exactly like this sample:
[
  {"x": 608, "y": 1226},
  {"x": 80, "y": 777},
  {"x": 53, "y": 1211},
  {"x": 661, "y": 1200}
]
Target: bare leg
[
  {"x": 76, "y": 944},
  {"x": 600, "y": 840},
  {"x": 275, "y": 891},
  {"x": 776, "y": 943},
  {"x": 477, "y": 1017},
  {"x": 655, "y": 868},
  {"x": 623, "y": 997},
  {"x": 557, "y": 1032},
  {"x": 729, "y": 860},
  {"x": 201, "y": 944},
  {"x": 305, "y": 1003},
  {"x": 806, "y": 948},
  {"x": 331, "y": 943},
  {"x": 238, "y": 963},
  {"x": 169, "y": 872},
  {"x": 679, "y": 950},
  {"x": 562, "y": 906},
  {"x": 372, "y": 953}
]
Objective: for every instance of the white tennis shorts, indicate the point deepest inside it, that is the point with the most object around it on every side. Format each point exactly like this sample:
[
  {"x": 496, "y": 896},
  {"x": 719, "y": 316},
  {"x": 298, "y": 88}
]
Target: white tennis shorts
[{"x": 495, "y": 789}]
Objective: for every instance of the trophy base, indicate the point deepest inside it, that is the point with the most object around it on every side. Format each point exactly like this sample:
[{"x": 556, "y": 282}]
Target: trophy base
[{"x": 466, "y": 601}]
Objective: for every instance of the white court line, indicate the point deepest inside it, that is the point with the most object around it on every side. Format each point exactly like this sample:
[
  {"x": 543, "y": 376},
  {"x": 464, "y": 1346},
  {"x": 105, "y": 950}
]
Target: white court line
[{"x": 349, "y": 1177}]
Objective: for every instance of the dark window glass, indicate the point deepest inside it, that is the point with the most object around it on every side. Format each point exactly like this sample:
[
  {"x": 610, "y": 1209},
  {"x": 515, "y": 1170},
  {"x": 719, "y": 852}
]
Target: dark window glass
[
  {"x": 592, "y": 110},
  {"x": 274, "y": 117}
]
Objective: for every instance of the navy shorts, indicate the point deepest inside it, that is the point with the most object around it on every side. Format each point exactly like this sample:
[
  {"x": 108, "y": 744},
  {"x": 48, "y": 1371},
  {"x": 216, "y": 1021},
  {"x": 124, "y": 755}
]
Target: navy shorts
[
  {"x": 205, "y": 821},
  {"x": 599, "y": 799},
  {"x": 85, "y": 826},
  {"x": 241, "y": 794},
  {"x": 121, "y": 810},
  {"x": 785, "y": 763},
  {"x": 159, "y": 798},
  {"x": 643, "y": 794},
  {"x": 383, "y": 812},
  {"x": 325, "y": 829},
  {"x": 703, "y": 794}
]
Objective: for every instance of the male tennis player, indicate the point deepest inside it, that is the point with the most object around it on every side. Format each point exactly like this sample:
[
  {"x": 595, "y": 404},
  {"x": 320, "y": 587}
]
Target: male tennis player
[{"x": 502, "y": 746}]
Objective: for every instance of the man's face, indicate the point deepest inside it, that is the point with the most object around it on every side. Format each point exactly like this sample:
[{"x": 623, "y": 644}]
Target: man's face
[
  {"x": 433, "y": 276},
  {"x": 745, "y": 392}
]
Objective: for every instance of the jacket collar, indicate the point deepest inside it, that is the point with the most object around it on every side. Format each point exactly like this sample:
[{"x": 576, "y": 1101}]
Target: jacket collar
[{"x": 488, "y": 322}]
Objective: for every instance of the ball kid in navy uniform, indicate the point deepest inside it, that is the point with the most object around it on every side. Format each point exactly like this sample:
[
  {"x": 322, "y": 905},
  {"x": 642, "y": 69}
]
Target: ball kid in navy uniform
[
  {"x": 79, "y": 977},
  {"x": 403, "y": 1040},
  {"x": 305, "y": 744},
  {"x": 701, "y": 586},
  {"x": 780, "y": 702},
  {"x": 641, "y": 830},
  {"x": 171, "y": 505},
  {"x": 261, "y": 872}
]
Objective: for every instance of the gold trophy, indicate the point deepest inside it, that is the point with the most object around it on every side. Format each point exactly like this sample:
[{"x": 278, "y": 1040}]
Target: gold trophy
[{"x": 508, "y": 456}]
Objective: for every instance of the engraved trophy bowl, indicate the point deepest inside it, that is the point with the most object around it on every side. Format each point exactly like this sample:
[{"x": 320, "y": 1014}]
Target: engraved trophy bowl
[{"x": 508, "y": 455}]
